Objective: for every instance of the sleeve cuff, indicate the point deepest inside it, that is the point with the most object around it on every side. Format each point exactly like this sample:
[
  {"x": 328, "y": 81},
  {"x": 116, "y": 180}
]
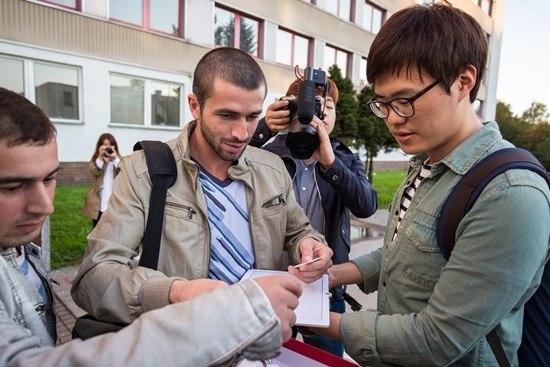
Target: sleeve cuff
[{"x": 155, "y": 293}]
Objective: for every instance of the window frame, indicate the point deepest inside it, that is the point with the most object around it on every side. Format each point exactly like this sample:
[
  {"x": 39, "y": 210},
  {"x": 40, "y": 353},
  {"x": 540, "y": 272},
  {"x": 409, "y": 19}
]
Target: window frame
[
  {"x": 78, "y": 4},
  {"x": 347, "y": 72},
  {"x": 363, "y": 77},
  {"x": 29, "y": 86},
  {"x": 349, "y": 17},
  {"x": 237, "y": 30},
  {"x": 383, "y": 16},
  {"x": 146, "y": 18},
  {"x": 293, "y": 48}
]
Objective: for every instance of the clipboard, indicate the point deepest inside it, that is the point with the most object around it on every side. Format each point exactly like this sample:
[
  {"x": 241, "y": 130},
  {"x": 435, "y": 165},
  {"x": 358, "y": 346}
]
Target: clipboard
[{"x": 314, "y": 303}]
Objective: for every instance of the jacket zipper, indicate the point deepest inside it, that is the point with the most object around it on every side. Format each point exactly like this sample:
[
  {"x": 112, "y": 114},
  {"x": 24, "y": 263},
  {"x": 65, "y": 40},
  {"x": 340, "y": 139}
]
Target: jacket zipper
[{"x": 190, "y": 211}]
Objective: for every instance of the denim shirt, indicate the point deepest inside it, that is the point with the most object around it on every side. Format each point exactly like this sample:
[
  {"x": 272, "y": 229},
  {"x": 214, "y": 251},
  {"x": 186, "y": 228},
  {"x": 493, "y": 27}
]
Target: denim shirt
[{"x": 433, "y": 312}]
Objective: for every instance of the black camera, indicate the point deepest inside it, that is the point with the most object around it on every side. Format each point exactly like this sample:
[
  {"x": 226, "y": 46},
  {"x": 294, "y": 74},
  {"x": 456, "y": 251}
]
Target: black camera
[
  {"x": 109, "y": 150},
  {"x": 302, "y": 139}
]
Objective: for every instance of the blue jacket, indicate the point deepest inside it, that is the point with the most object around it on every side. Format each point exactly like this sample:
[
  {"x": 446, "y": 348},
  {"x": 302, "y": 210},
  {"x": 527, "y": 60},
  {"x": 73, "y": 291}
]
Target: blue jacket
[{"x": 343, "y": 188}]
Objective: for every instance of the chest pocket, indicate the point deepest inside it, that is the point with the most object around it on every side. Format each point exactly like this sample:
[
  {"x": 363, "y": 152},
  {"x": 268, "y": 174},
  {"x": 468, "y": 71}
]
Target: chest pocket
[{"x": 421, "y": 260}]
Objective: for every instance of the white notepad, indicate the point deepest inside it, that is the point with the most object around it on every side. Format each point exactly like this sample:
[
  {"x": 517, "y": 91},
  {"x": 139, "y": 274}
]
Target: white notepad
[{"x": 314, "y": 303}]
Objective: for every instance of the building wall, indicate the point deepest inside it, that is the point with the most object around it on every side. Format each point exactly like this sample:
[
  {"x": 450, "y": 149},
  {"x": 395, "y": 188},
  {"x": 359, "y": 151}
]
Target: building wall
[{"x": 87, "y": 40}]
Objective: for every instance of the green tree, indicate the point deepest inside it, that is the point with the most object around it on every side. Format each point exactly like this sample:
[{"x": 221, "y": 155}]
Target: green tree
[
  {"x": 531, "y": 131},
  {"x": 345, "y": 127},
  {"x": 373, "y": 134},
  {"x": 536, "y": 113},
  {"x": 511, "y": 127}
]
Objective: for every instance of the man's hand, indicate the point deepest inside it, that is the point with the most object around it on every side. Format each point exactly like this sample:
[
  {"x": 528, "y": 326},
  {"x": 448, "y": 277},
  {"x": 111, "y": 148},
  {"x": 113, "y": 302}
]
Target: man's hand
[
  {"x": 283, "y": 293},
  {"x": 324, "y": 153},
  {"x": 277, "y": 119},
  {"x": 310, "y": 248},
  {"x": 184, "y": 290}
]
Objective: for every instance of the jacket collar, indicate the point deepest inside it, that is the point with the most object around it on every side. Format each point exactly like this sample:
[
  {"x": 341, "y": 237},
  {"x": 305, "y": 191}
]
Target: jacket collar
[{"x": 468, "y": 153}]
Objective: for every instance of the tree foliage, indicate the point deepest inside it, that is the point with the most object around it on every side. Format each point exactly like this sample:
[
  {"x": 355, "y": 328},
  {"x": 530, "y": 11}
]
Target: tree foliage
[
  {"x": 356, "y": 125},
  {"x": 373, "y": 134},
  {"x": 345, "y": 127},
  {"x": 531, "y": 131}
]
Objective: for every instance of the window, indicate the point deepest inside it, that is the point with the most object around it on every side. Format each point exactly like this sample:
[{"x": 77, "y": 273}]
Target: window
[
  {"x": 232, "y": 29},
  {"x": 71, "y": 4},
  {"x": 292, "y": 49},
  {"x": 340, "y": 8},
  {"x": 165, "y": 104},
  {"x": 335, "y": 56},
  {"x": 129, "y": 104},
  {"x": 11, "y": 76},
  {"x": 373, "y": 17},
  {"x": 56, "y": 90},
  {"x": 363, "y": 72},
  {"x": 158, "y": 15}
]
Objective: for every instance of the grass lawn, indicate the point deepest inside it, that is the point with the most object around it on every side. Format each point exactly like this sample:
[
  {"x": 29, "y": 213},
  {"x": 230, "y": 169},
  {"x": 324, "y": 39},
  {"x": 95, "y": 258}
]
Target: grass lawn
[
  {"x": 69, "y": 229},
  {"x": 386, "y": 184}
]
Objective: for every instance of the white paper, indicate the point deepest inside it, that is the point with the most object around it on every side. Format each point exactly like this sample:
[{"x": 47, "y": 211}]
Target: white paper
[{"x": 314, "y": 303}]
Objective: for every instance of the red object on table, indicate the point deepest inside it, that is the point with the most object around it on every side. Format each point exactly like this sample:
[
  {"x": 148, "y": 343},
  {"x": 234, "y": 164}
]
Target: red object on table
[{"x": 317, "y": 354}]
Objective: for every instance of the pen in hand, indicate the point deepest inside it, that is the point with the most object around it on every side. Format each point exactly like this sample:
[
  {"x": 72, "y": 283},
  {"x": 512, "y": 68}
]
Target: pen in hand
[{"x": 307, "y": 262}]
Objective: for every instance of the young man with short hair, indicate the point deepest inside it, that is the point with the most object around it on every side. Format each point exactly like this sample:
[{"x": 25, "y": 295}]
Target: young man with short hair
[
  {"x": 231, "y": 208},
  {"x": 426, "y": 65}
]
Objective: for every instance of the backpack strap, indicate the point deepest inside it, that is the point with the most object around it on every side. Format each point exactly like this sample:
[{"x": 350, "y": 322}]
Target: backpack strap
[
  {"x": 468, "y": 189},
  {"x": 463, "y": 197},
  {"x": 163, "y": 172}
]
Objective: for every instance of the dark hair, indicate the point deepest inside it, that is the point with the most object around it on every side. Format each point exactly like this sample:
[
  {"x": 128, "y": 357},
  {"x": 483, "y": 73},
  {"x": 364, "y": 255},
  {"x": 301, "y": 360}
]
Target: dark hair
[
  {"x": 332, "y": 89},
  {"x": 438, "y": 40},
  {"x": 22, "y": 122},
  {"x": 228, "y": 64},
  {"x": 102, "y": 137}
]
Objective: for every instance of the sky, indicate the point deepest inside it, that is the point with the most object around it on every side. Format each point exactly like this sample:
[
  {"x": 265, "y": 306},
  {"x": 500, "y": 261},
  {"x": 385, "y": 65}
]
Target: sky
[{"x": 524, "y": 72}]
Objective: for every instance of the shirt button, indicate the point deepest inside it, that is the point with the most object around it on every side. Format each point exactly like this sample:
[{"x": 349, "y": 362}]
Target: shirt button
[
  {"x": 335, "y": 177},
  {"x": 304, "y": 188},
  {"x": 261, "y": 136},
  {"x": 306, "y": 169},
  {"x": 384, "y": 283}
]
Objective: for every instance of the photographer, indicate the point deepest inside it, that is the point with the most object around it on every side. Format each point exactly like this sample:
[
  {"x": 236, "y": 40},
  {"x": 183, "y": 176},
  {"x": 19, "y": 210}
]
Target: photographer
[
  {"x": 103, "y": 167},
  {"x": 328, "y": 185}
]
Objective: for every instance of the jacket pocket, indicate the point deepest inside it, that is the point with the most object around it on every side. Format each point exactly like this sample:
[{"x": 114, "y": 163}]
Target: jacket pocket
[
  {"x": 179, "y": 210},
  {"x": 422, "y": 260},
  {"x": 278, "y": 200}
]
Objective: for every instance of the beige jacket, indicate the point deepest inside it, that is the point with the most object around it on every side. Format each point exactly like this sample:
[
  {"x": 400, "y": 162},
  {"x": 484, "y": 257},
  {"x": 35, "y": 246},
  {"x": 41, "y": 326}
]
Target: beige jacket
[{"x": 111, "y": 286}]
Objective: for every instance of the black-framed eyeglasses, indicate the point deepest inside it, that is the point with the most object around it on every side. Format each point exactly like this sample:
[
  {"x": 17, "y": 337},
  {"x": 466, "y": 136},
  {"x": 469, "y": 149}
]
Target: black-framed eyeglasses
[{"x": 404, "y": 107}]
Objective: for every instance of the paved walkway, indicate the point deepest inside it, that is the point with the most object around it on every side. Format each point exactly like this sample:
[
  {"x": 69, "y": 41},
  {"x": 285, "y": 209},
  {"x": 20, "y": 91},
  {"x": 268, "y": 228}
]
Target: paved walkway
[{"x": 68, "y": 311}]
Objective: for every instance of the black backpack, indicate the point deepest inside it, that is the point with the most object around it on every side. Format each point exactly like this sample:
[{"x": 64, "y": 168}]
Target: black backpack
[
  {"x": 163, "y": 172},
  {"x": 535, "y": 344}
]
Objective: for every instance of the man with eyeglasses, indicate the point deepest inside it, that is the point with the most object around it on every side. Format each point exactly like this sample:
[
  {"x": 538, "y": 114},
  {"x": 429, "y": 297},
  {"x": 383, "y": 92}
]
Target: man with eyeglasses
[{"x": 426, "y": 65}]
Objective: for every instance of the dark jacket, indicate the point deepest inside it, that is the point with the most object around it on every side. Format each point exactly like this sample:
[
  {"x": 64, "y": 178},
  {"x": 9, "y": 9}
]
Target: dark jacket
[{"x": 343, "y": 188}]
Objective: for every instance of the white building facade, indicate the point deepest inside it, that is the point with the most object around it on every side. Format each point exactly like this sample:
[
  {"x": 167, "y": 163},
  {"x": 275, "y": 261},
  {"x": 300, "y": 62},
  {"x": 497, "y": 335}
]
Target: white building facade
[{"x": 125, "y": 66}]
